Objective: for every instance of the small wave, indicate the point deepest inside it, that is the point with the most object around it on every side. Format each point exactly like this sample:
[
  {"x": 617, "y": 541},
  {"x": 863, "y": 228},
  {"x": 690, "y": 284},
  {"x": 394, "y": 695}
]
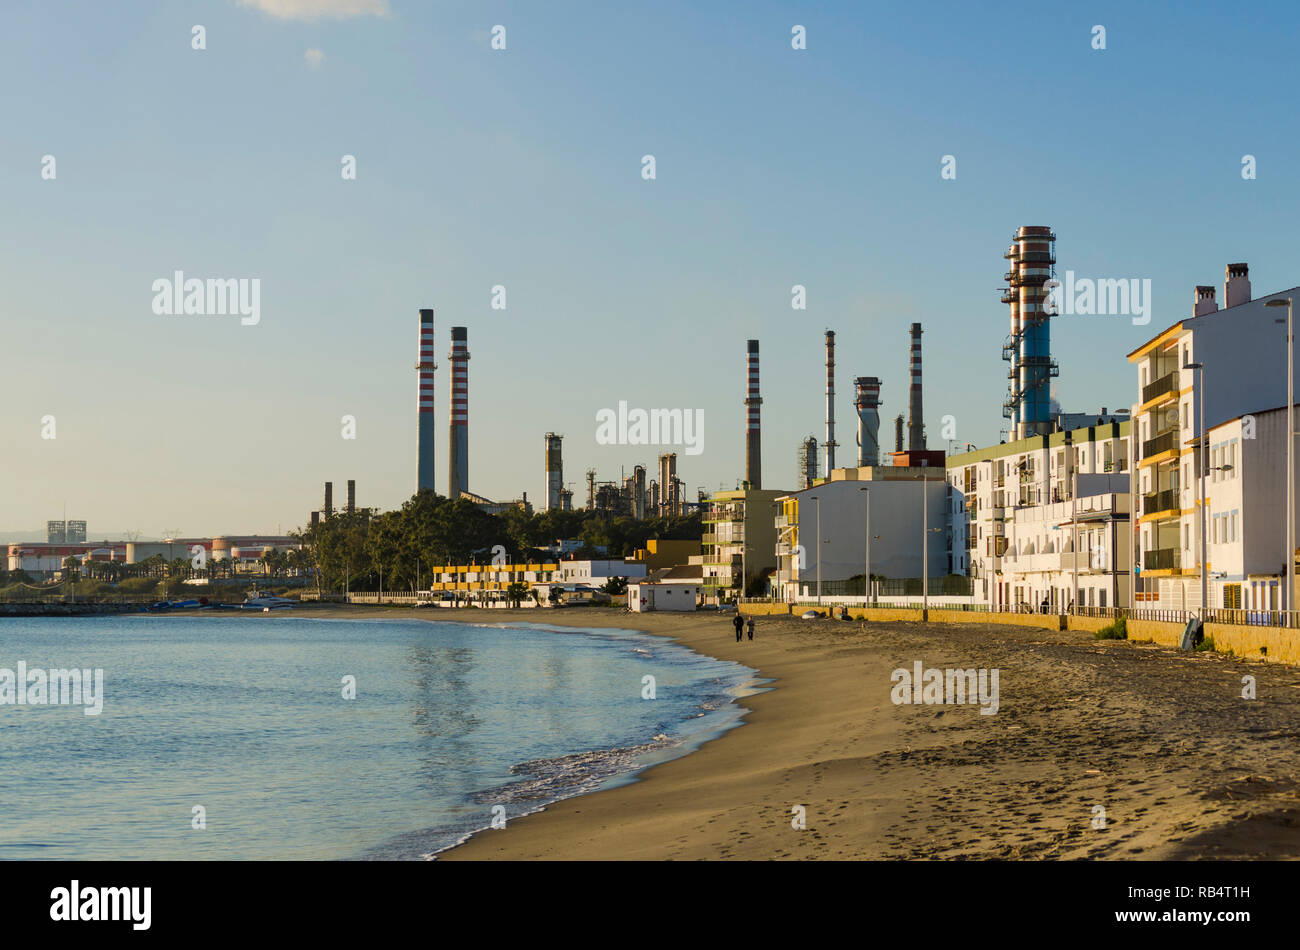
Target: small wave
[{"x": 568, "y": 775}]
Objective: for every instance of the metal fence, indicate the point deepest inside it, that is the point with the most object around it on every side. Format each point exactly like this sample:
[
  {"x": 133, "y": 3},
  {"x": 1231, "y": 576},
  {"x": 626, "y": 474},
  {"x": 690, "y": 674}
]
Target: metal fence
[{"x": 1255, "y": 618}]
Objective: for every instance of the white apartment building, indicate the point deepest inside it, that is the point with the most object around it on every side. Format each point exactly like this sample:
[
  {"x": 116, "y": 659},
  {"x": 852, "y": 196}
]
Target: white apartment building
[
  {"x": 1017, "y": 507},
  {"x": 1245, "y": 488},
  {"x": 1242, "y": 349}
]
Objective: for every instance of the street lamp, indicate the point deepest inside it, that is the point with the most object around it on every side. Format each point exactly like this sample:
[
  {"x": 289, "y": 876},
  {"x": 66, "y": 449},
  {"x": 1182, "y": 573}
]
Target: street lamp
[
  {"x": 819, "y": 547},
  {"x": 925, "y": 541},
  {"x": 1205, "y": 461},
  {"x": 1290, "y": 461},
  {"x": 866, "y": 582}
]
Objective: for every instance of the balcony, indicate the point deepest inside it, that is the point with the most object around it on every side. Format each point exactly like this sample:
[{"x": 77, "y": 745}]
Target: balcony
[
  {"x": 1164, "y": 442},
  {"x": 1160, "y": 501},
  {"x": 1162, "y": 559},
  {"x": 1165, "y": 384}
]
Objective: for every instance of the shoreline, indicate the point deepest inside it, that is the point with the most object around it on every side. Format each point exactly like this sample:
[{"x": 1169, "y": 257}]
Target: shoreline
[
  {"x": 1180, "y": 764},
  {"x": 1098, "y": 750}
]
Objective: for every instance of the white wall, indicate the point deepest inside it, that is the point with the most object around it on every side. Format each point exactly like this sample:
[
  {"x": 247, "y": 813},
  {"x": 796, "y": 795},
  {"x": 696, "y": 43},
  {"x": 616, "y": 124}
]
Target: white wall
[{"x": 896, "y": 522}]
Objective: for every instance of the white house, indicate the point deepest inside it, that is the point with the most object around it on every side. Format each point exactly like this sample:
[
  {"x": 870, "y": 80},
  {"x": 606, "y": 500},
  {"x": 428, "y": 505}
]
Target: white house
[{"x": 664, "y": 595}]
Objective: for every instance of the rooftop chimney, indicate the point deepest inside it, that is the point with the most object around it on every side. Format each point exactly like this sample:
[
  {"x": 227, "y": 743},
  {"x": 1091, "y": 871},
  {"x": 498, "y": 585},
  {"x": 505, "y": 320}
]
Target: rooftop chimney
[
  {"x": 916, "y": 418},
  {"x": 1236, "y": 285},
  {"x": 830, "y": 402},
  {"x": 753, "y": 430},
  {"x": 1205, "y": 300}
]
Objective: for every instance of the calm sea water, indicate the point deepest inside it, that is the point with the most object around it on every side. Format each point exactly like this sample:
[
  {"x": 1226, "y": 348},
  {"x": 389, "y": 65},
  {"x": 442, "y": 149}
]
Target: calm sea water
[{"x": 244, "y": 716}]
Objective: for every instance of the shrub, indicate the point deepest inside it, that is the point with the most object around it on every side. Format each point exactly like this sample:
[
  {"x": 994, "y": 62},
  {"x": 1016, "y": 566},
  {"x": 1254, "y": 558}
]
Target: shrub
[{"x": 1115, "y": 631}]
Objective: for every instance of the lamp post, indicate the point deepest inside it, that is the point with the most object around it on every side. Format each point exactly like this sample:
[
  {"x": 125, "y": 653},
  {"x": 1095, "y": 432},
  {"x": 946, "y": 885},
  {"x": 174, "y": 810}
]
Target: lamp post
[
  {"x": 1204, "y": 439},
  {"x": 1074, "y": 517},
  {"x": 866, "y": 583},
  {"x": 925, "y": 541},
  {"x": 1290, "y": 460},
  {"x": 819, "y": 547}
]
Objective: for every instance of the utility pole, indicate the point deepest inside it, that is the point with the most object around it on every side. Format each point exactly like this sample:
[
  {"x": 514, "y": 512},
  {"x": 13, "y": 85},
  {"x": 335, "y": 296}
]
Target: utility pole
[
  {"x": 866, "y": 581},
  {"x": 819, "y": 547}
]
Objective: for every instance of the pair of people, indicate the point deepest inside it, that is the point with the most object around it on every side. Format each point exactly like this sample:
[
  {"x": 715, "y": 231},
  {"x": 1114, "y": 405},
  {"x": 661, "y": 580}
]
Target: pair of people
[{"x": 739, "y": 623}]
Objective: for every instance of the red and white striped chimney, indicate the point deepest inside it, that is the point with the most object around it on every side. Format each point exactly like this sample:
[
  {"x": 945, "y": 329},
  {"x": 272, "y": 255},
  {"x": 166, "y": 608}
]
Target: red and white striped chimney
[
  {"x": 753, "y": 429},
  {"x": 916, "y": 418},
  {"x": 830, "y": 402},
  {"x": 458, "y": 442},
  {"x": 424, "y": 472}
]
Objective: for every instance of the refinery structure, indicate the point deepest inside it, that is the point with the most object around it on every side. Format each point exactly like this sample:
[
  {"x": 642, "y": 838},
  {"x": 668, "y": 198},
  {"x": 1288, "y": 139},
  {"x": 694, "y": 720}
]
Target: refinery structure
[{"x": 1170, "y": 503}]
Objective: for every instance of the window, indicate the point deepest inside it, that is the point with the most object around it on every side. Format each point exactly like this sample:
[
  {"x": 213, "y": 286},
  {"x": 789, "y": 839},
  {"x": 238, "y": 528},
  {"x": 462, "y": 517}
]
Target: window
[{"x": 1186, "y": 416}]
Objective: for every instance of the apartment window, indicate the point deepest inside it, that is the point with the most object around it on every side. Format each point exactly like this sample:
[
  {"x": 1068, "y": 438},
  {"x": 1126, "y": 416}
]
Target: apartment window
[
  {"x": 1186, "y": 416},
  {"x": 1143, "y": 381},
  {"x": 1187, "y": 537},
  {"x": 1234, "y": 527}
]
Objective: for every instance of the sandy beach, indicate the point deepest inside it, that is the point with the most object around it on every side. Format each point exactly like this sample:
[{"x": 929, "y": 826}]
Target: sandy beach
[{"x": 1183, "y": 766}]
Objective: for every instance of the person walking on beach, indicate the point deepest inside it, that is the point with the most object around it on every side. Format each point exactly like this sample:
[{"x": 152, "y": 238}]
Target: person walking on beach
[
  {"x": 739, "y": 623},
  {"x": 749, "y": 628}
]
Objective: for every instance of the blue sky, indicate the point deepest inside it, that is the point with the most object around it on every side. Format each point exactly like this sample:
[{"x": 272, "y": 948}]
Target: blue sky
[{"x": 522, "y": 168}]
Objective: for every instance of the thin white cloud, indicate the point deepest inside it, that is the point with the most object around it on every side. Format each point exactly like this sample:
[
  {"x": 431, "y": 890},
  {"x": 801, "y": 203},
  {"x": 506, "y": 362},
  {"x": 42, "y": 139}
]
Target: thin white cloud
[
  {"x": 319, "y": 9},
  {"x": 314, "y": 57}
]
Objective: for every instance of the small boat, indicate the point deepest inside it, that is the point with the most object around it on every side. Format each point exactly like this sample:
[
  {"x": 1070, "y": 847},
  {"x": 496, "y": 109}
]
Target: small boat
[{"x": 264, "y": 602}]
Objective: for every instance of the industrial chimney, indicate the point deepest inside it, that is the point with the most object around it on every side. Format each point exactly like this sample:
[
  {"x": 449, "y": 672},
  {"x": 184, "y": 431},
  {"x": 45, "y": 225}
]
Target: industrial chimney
[
  {"x": 753, "y": 429},
  {"x": 898, "y": 433},
  {"x": 352, "y": 495},
  {"x": 830, "y": 402},
  {"x": 669, "y": 486},
  {"x": 329, "y": 501},
  {"x": 807, "y": 462},
  {"x": 1029, "y": 347},
  {"x": 868, "y": 403},
  {"x": 638, "y": 492},
  {"x": 916, "y": 416},
  {"x": 458, "y": 441},
  {"x": 1236, "y": 285},
  {"x": 554, "y": 472},
  {"x": 424, "y": 405}
]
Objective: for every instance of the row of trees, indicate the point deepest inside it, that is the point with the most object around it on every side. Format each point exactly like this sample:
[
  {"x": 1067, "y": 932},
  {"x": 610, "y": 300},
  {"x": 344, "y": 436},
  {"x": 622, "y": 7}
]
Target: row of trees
[{"x": 354, "y": 549}]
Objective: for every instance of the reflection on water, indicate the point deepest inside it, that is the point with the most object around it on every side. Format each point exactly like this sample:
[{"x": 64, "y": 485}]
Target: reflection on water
[{"x": 244, "y": 716}]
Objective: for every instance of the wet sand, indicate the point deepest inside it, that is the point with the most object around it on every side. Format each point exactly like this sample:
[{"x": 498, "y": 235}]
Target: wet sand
[{"x": 1183, "y": 766}]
